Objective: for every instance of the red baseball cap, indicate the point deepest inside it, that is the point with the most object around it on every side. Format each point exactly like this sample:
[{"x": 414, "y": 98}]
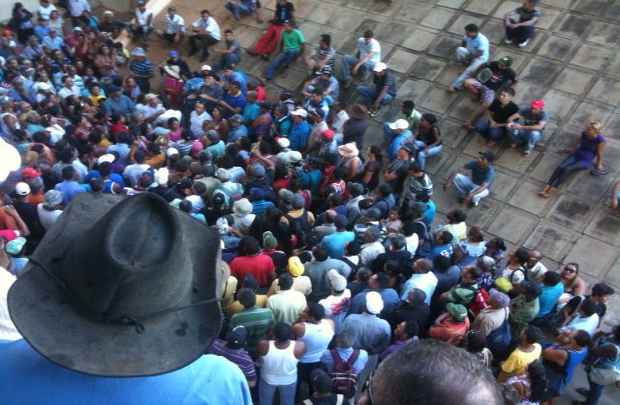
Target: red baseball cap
[
  {"x": 328, "y": 134},
  {"x": 538, "y": 104},
  {"x": 29, "y": 173}
]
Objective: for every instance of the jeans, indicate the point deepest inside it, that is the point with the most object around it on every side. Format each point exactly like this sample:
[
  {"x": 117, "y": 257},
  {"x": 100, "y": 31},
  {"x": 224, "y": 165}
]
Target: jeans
[
  {"x": 424, "y": 154},
  {"x": 525, "y": 137},
  {"x": 520, "y": 34},
  {"x": 484, "y": 128},
  {"x": 228, "y": 59},
  {"x": 266, "y": 392},
  {"x": 463, "y": 55},
  {"x": 283, "y": 58},
  {"x": 237, "y": 9},
  {"x": 200, "y": 42},
  {"x": 464, "y": 186},
  {"x": 595, "y": 392},
  {"x": 568, "y": 165},
  {"x": 368, "y": 95},
  {"x": 348, "y": 61}
]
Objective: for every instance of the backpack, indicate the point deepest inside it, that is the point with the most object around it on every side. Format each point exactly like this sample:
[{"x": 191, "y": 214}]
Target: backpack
[
  {"x": 499, "y": 340},
  {"x": 344, "y": 380}
]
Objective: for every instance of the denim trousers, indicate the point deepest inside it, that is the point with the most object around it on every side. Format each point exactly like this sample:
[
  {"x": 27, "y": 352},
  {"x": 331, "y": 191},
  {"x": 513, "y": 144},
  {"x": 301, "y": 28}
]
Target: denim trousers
[
  {"x": 464, "y": 185},
  {"x": 368, "y": 95},
  {"x": 526, "y": 138},
  {"x": 266, "y": 392},
  {"x": 463, "y": 55},
  {"x": 283, "y": 58},
  {"x": 483, "y": 127},
  {"x": 348, "y": 61},
  {"x": 424, "y": 154}
]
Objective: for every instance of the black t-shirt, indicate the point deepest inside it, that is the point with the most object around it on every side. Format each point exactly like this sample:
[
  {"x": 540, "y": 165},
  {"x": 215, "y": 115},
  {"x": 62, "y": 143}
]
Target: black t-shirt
[
  {"x": 501, "y": 113},
  {"x": 500, "y": 77}
]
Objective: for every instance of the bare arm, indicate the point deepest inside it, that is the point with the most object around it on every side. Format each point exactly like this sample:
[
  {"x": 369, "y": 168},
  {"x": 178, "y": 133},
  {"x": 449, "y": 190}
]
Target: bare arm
[
  {"x": 614, "y": 193},
  {"x": 598, "y": 160},
  {"x": 21, "y": 225},
  {"x": 556, "y": 356}
]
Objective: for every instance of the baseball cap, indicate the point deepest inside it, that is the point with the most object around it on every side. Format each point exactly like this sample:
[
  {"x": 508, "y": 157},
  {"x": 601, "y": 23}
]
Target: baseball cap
[
  {"x": 205, "y": 68},
  {"x": 538, "y": 104},
  {"x": 506, "y": 61},
  {"x": 328, "y": 134},
  {"x": 237, "y": 337},
  {"x": 399, "y": 124},
  {"x": 300, "y": 112},
  {"x": 22, "y": 188},
  {"x": 29, "y": 173},
  {"x": 379, "y": 67}
]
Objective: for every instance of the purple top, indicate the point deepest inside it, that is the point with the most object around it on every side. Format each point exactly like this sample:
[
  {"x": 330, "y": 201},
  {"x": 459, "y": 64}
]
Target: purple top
[{"x": 587, "y": 147}]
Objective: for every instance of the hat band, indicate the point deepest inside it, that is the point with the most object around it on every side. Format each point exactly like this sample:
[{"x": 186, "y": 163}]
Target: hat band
[{"x": 127, "y": 320}]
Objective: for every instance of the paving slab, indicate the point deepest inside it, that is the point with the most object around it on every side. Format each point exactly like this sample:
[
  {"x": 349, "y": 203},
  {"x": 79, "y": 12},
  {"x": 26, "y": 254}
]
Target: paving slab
[
  {"x": 589, "y": 188},
  {"x": 541, "y": 71},
  {"x": 494, "y": 30},
  {"x": 613, "y": 277},
  {"x": 593, "y": 7},
  {"x": 513, "y": 224},
  {"x": 505, "y": 7},
  {"x": 437, "y": 100},
  {"x": 452, "y": 133},
  {"x": 592, "y": 56},
  {"x": 572, "y": 26},
  {"x": 503, "y": 185},
  {"x": 413, "y": 90},
  {"x": 419, "y": 39},
  {"x": 485, "y": 7},
  {"x": 458, "y": 26},
  {"x": 557, "y": 48},
  {"x": 451, "y": 3},
  {"x": 559, "y": 104},
  {"x": 572, "y": 81},
  {"x": 606, "y": 90},
  {"x": 604, "y": 33},
  {"x": 551, "y": 240},
  {"x": 597, "y": 264},
  {"x": 587, "y": 112},
  {"x": 523, "y": 198},
  {"x": 438, "y": 18},
  {"x": 605, "y": 226},
  {"x": 514, "y": 160},
  {"x": 427, "y": 68},
  {"x": 571, "y": 212},
  {"x": 401, "y": 60},
  {"x": 445, "y": 46},
  {"x": 484, "y": 213}
]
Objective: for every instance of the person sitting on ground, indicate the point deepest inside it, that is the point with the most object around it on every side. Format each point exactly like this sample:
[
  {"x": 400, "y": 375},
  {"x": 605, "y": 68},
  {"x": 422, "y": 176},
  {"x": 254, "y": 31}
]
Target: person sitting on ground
[
  {"x": 588, "y": 154},
  {"x": 519, "y": 23},
  {"x": 324, "y": 55},
  {"x": 528, "y": 131},
  {"x": 473, "y": 52},
  {"x": 472, "y": 189},
  {"x": 142, "y": 23},
  {"x": 238, "y": 7},
  {"x": 381, "y": 92},
  {"x": 270, "y": 39},
  {"x": 455, "y": 377},
  {"x": 491, "y": 77},
  {"x": 427, "y": 139},
  {"x": 494, "y": 126},
  {"x": 292, "y": 45},
  {"x": 174, "y": 27},
  {"x": 230, "y": 55},
  {"x": 367, "y": 55}
]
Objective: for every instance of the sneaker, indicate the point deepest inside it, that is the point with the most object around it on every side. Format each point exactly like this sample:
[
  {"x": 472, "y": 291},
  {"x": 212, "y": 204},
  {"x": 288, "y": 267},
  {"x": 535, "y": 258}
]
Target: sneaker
[
  {"x": 507, "y": 41},
  {"x": 473, "y": 203},
  {"x": 523, "y": 44}
]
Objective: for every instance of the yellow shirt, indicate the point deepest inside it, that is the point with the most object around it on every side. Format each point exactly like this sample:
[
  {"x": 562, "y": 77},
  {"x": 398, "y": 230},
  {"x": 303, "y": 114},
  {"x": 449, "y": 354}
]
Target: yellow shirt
[{"x": 518, "y": 361}]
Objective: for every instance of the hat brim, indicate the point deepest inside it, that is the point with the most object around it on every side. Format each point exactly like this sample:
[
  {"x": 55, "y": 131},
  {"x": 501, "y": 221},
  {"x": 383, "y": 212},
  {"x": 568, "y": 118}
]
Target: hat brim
[{"x": 41, "y": 312}]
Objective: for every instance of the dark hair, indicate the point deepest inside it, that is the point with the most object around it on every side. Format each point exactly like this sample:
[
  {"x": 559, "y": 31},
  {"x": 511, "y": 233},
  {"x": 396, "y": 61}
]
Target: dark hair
[
  {"x": 282, "y": 332},
  {"x": 383, "y": 280},
  {"x": 246, "y": 297},
  {"x": 588, "y": 307},
  {"x": 412, "y": 329},
  {"x": 316, "y": 310},
  {"x": 368, "y": 34},
  {"x": 475, "y": 233},
  {"x": 533, "y": 334},
  {"x": 472, "y": 28},
  {"x": 321, "y": 381},
  {"x": 456, "y": 216},
  {"x": 249, "y": 282},
  {"x": 600, "y": 289},
  {"x": 185, "y": 206},
  {"x": 327, "y": 39},
  {"x": 409, "y": 104},
  {"x": 248, "y": 246},
  {"x": 538, "y": 381},
  {"x": 320, "y": 253},
  {"x": 508, "y": 90},
  {"x": 551, "y": 278},
  {"x": 430, "y": 118},
  {"x": 582, "y": 338},
  {"x": 445, "y": 236},
  {"x": 475, "y": 271},
  {"x": 68, "y": 172},
  {"x": 475, "y": 341},
  {"x": 522, "y": 255},
  {"x": 455, "y": 376},
  {"x": 441, "y": 263},
  {"x": 285, "y": 281}
]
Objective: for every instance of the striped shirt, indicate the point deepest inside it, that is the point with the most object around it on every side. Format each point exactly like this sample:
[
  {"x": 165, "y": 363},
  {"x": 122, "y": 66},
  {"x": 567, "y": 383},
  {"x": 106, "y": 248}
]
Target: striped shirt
[
  {"x": 141, "y": 68},
  {"x": 257, "y": 321},
  {"x": 238, "y": 356}
]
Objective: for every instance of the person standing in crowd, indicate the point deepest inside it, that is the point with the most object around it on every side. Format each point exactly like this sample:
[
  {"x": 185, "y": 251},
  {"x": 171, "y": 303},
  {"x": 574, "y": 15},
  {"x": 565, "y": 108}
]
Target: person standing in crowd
[
  {"x": 370, "y": 332},
  {"x": 233, "y": 348},
  {"x": 257, "y": 321}
]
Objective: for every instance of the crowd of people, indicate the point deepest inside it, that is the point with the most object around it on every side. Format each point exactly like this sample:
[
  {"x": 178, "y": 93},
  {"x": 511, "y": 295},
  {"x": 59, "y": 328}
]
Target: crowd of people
[{"x": 334, "y": 282}]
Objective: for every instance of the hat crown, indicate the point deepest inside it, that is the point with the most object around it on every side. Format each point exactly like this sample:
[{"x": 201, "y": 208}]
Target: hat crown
[{"x": 126, "y": 264}]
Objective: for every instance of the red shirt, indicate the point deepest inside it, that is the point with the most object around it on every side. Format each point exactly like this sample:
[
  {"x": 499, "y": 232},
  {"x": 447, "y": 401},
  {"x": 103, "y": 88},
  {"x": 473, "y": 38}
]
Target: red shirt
[{"x": 260, "y": 267}]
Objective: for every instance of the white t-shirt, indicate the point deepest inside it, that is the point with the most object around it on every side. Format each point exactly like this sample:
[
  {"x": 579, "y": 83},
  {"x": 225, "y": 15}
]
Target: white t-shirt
[
  {"x": 174, "y": 25},
  {"x": 8, "y": 331},
  {"x": 46, "y": 11},
  {"x": 47, "y": 218},
  {"x": 196, "y": 122},
  {"x": 77, "y": 7},
  {"x": 373, "y": 47},
  {"x": 412, "y": 243},
  {"x": 210, "y": 26},
  {"x": 65, "y": 92},
  {"x": 149, "y": 111},
  {"x": 142, "y": 18}
]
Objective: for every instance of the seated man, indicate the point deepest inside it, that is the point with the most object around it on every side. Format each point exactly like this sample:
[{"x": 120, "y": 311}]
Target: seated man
[
  {"x": 472, "y": 189},
  {"x": 174, "y": 27},
  {"x": 381, "y": 92},
  {"x": 529, "y": 131},
  {"x": 324, "y": 55},
  {"x": 292, "y": 45},
  {"x": 142, "y": 23},
  {"x": 367, "y": 55},
  {"x": 456, "y": 377},
  {"x": 490, "y": 78},
  {"x": 497, "y": 119},
  {"x": 397, "y": 134},
  {"x": 205, "y": 32},
  {"x": 238, "y": 7},
  {"x": 520, "y": 22},
  {"x": 473, "y": 52},
  {"x": 231, "y": 54},
  {"x": 326, "y": 83}
]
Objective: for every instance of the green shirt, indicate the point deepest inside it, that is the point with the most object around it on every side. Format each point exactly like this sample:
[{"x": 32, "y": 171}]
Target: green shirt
[
  {"x": 257, "y": 321},
  {"x": 522, "y": 313},
  {"x": 293, "y": 40}
]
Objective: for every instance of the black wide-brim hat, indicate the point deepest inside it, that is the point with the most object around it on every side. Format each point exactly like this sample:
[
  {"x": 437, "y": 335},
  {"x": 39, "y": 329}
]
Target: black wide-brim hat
[{"x": 120, "y": 287}]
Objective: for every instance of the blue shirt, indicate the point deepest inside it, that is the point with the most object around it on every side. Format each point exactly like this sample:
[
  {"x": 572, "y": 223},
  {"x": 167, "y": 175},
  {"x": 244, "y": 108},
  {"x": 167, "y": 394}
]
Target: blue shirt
[
  {"x": 298, "y": 136},
  {"x": 123, "y": 105},
  {"x": 477, "y": 44},
  {"x": 68, "y": 189},
  {"x": 429, "y": 213},
  {"x": 209, "y": 380},
  {"x": 250, "y": 112},
  {"x": 237, "y": 101},
  {"x": 549, "y": 296},
  {"x": 397, "y": 142},
  {"x": 237, "y": 133},
  {"x": 53, "y": 43},
  {"x": 481, "y": 175},
  {"x": 336, "y": 242}
]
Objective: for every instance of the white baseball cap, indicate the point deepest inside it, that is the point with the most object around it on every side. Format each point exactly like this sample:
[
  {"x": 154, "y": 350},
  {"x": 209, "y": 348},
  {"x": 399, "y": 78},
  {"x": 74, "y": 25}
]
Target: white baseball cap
[
  {"x": 374, "y": 303},
  {"x": 22, "y": 188},
  {"x": 106, "y": 158},
  {"x": 205, "y": 67},
  {"x": 399, "y": 124},
  {"x": 379, "y": 67},
  {"x": 300, "y": 112},
  {"x": 284, "y": 142}
]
